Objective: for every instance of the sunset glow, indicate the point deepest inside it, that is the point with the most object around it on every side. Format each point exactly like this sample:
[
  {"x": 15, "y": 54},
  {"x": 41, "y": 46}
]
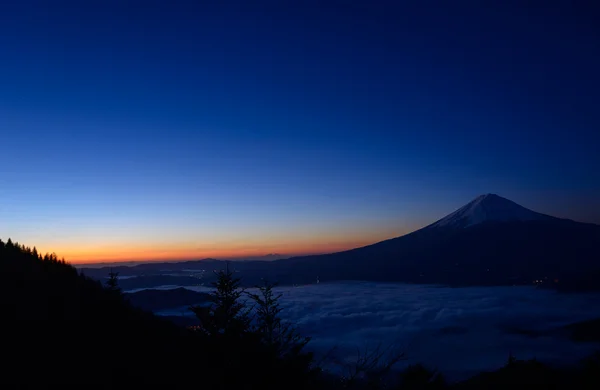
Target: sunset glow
[{"x": 249, "y": 248}]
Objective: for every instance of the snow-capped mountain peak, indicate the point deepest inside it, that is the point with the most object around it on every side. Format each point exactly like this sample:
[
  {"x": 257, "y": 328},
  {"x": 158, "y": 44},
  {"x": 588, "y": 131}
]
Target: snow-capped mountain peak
[{"x": 488, "y": 208}]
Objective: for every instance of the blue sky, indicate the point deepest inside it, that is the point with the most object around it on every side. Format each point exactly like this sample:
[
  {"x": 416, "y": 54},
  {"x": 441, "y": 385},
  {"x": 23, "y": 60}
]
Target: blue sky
[{"x": 184, "y": 129}]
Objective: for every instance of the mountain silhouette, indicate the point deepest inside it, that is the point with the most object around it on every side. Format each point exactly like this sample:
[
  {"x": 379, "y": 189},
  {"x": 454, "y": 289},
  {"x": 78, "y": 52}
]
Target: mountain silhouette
[{"x": 489, "y": 241}]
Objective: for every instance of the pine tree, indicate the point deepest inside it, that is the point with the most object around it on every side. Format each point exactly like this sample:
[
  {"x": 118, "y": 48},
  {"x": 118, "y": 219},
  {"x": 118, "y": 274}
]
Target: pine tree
[
  {"x": 227, "y": 314},
  {"x": 275, "y": 333},
  {"x": 113, "y": 282},
  {"x": 267, "y": 312}
]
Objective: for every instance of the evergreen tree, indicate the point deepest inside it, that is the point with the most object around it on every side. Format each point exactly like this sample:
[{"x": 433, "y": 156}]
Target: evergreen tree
[
  {"x": 275, "y": 333},
  {"x": 227, "y": 314},
  {"x": 113, "y": 282}
]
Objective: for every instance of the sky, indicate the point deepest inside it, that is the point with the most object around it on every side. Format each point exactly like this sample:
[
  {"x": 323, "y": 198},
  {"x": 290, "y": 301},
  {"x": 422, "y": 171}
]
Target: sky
[{"x": 180, "y": 130}]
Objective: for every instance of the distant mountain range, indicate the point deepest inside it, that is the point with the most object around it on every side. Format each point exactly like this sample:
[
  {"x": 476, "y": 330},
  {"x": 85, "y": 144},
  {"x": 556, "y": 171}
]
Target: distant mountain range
[
  {"x": 119, "y": 264},
  {"x": 269, "y": 257},
  {"x": 489, "y": 241}
]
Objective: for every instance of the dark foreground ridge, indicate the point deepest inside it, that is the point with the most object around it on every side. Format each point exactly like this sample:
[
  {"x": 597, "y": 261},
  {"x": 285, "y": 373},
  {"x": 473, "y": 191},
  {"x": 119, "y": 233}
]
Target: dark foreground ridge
[{"x": 62, "y": 328}]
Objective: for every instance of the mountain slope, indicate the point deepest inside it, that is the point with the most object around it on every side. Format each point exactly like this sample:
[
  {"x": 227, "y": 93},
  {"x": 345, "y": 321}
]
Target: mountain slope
[
  {"x": 78, "y": 332},
  {"x": 489, "y": 241},
  {"x": 489, "y": 208}
]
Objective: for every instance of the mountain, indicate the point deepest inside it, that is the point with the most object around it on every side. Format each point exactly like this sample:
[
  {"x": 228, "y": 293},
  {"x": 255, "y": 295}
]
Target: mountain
[
  {"x": 489, "y": 241},
  {"x": 269, "y": 257},
  {"x": 489, "y": 208}
]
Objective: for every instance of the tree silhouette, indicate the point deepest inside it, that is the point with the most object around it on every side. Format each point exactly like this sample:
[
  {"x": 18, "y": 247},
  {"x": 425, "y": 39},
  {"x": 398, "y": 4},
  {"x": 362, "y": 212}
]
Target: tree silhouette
[
  {"x": 281, "y": 336},
  {"x": 227, "y": 314},
  {"x": 112, "y": 283}
]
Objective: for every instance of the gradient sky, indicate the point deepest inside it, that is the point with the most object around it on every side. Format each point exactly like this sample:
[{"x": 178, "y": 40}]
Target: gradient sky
[{"x": 170, "y": 130}]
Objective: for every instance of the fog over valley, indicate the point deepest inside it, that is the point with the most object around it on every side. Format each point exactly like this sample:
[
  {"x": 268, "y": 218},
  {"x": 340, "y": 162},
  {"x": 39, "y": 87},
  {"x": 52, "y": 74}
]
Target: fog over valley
[{"x": 457, "y": 330}]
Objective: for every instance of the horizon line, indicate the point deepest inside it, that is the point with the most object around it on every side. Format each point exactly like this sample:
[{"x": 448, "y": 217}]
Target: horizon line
[{"x": 194, "y": 259}]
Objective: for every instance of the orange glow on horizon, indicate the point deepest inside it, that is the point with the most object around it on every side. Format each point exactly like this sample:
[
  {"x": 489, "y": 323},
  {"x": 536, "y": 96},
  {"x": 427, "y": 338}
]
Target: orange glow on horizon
[
  {"x": 172, "y": 254},
  {"x": 90, "y": 253}
]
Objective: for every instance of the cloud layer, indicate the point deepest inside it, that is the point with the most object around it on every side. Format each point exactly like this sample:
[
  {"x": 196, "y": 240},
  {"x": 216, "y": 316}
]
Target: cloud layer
[{"x": 458, "y": 330}]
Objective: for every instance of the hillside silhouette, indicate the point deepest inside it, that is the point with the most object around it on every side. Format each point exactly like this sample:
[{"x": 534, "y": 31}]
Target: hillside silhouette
[
  {"x": 64, "y": 328},
  {"x": 67, "y": 329}
]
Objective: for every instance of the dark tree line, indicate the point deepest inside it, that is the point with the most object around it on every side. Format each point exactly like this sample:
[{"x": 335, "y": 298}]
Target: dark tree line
[{"x": 61, "y": 327}]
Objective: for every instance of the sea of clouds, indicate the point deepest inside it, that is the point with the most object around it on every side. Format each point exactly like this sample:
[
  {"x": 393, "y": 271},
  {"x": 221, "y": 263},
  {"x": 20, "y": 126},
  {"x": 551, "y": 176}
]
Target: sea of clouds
[{"x": 460, "y": 331}]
